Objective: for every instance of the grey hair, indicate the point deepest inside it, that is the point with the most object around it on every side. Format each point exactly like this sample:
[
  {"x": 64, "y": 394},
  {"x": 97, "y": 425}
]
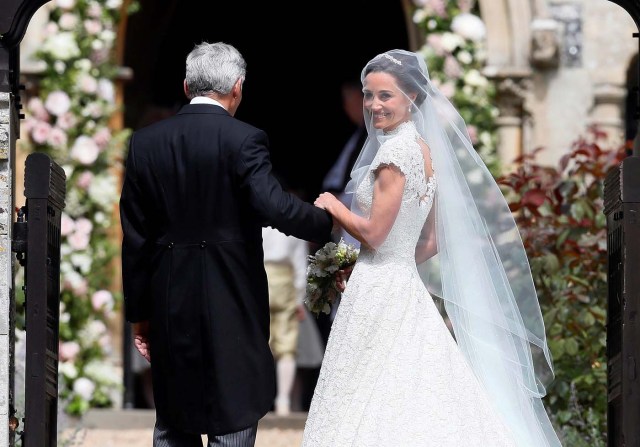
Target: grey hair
[{"x": 214, "y": 68}]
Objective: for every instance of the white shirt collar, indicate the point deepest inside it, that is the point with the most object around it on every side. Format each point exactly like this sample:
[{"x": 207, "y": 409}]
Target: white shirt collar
[{"x": 206, "y": 100}]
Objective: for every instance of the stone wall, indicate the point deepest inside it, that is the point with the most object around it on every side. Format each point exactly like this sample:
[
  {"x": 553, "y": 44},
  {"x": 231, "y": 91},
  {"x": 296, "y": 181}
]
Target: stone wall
[{"x": 589, "y": 85}]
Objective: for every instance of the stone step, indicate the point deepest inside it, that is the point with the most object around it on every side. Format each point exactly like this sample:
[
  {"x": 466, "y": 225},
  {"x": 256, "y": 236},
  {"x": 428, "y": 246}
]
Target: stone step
[
  {"x": 127, "y": 419},
  {"x": 134, "y": 428}
]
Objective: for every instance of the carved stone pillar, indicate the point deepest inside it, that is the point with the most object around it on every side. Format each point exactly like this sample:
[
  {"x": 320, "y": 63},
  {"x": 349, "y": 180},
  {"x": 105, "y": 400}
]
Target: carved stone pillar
[
  {"x": 607, "y": 112},
  {"x": 512, "y": 87}
]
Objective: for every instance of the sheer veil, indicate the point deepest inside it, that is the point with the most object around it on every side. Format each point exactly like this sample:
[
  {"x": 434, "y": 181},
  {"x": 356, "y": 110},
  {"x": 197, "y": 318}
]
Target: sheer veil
[{"x": 481, "y": 270}]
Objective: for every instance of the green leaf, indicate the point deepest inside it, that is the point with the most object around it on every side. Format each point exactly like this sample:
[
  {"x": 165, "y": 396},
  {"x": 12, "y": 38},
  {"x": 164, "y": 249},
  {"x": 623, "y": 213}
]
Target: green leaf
[{"x": 571, "y": 346}]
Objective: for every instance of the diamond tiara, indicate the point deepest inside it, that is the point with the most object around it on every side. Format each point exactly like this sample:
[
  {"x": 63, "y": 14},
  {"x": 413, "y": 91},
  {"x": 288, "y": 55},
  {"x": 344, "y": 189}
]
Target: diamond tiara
[{"x": 392, "y": 59}]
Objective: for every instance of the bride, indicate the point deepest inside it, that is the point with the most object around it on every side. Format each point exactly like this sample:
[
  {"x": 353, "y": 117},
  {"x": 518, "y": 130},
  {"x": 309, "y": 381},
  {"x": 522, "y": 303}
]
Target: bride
[{"x": 430, "y": 218}]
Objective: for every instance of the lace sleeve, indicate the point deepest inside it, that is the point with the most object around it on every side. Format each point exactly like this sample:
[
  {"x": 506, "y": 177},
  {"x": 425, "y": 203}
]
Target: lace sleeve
[{"x": 391, "y": 154}]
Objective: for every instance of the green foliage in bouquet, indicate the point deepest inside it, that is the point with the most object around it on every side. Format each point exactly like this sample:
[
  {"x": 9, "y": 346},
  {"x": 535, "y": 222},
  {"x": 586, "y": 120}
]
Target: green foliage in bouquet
[
  {"x": 322, "y": 290},
  {"x": 68, "y": 119},
  {"x": 559, "y": 211},
  {"x": 455, "y": 55}
]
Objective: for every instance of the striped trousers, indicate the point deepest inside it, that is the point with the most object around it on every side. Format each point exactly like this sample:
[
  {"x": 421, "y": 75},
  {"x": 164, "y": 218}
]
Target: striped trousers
[{"x": 166, "y": 437}]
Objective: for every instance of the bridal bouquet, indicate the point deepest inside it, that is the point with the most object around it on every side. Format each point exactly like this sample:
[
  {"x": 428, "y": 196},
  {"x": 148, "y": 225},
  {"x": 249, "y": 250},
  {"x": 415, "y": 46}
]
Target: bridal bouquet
[{"x": 322, "y": 290}]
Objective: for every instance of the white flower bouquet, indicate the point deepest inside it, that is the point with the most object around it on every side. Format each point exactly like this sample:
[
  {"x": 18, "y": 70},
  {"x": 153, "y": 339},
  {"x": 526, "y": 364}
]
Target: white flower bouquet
[{"x": 322, "y": 290}]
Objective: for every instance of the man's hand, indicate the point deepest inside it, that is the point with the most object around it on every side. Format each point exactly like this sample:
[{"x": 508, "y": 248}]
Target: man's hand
[
  {"x": 141, "y": 339},
  {"x": 342, "y": 276}
]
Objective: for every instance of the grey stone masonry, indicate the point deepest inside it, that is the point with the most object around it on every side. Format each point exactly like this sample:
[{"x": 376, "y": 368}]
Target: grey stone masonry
[{"x": 7, "y": 305}]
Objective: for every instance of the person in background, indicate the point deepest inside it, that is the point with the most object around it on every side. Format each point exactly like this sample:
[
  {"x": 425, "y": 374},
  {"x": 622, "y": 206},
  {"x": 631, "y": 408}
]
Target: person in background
[
  {"x": 340, "y": 173},
  {"x": 285, "y": 261}
]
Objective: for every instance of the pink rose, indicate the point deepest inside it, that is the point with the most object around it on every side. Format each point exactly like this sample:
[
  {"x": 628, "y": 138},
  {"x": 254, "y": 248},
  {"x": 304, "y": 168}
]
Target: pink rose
[
  {"x": 92, "y": 27},
  {"x": 58, "y": 103},
  {"x": 84, "y": 226},
  {"x": 40, "y": 132},
  {"x": 67, "y": 121},
  {"x": 452, "y": 67},
  {"x": 435, "y": 42},
  {"x": 102, "y": 137},
  {"x": 473, "y": 134},
  {"x": 85, "y": 179},
  {"x": 68, "y": 350},
  {"x": 78, "y": 240},
  {"x": 102, "y": 299},
  {"x": 58, "y": 137},
  {"x": 36, "y": 107},
  {"x": 67, "y": 225}
]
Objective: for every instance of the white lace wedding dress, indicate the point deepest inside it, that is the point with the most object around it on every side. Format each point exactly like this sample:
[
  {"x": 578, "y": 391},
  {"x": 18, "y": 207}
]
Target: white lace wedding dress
[{"x": 392, "y": 374}]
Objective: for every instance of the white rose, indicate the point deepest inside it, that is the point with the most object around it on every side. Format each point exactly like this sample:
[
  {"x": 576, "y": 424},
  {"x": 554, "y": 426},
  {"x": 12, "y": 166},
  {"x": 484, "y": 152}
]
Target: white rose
[
  {"x": 113, "y": 4},
  {"x": 451, "y": 41},
  {"x": 83, "y": 261},
  {"x": 464, "y": 57},
  {"x": 84, "y": 388},
  {"x": 65, "y": 4},
  {"x": 106, "y": 90},
  {"x": 108, "y": 35},
  {"x": 85, "y": 150},
  {"x": 419, "y": 15},
  {"x": 58, "y": 103},
  {"x": 95, "y": 10},
  {"x": 62, "y": 46},
  {"x": 97, "y": 44},
  {"x": 68, "y": 370},
  {"x": 83, "y": 64},
  {"x": 103, "y": 190},
  {"x": 475, "y": 78},
  {"x": 469, "y": 26},
  {"x": 59, "y": 67}
]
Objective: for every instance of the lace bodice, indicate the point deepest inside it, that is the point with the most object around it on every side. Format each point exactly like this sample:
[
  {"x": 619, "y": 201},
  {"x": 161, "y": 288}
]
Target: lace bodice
[{"x": 403, "y": 151}]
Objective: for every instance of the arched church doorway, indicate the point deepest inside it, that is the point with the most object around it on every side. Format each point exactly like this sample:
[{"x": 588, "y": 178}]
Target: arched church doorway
[{"x": 296, "y": 63}]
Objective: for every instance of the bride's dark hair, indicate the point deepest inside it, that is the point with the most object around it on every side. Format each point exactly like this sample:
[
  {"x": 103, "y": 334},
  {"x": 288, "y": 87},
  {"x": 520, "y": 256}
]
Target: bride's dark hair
[{"x": 406, "y": 71}]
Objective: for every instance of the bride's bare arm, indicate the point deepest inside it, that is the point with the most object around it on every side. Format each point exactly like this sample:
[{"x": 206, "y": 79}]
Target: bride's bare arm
[{"x": 387, "y": 198}]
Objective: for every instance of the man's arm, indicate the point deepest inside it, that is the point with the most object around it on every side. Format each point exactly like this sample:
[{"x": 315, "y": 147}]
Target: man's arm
[
  {"x": 276, "y": 207},
  {"x": 135, "y": 245}
]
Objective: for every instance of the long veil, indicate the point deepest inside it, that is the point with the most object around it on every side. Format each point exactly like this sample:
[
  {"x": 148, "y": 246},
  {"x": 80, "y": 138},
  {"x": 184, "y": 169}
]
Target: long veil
[{"x": 481, "y": 269}]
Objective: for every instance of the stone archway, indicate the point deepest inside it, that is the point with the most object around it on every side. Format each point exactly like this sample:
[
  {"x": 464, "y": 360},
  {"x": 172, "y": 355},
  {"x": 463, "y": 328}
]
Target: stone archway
[{"x": 293, "y": 95}]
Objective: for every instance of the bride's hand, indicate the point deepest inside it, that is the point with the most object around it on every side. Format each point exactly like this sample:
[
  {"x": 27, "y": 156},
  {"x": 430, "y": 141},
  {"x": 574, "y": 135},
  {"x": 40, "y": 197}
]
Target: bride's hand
[{"x": 325, "y": 201}]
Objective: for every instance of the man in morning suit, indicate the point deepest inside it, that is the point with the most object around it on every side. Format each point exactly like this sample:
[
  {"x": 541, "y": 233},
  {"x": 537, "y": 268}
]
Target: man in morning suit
[{"x": 197, "y": 192}]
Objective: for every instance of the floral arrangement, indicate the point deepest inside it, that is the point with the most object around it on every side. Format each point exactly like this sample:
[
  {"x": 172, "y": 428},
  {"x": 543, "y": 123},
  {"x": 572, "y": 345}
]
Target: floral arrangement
[
  {"x": 322, "y": 290},
  {"x": 69, "y": 120},
  {"x": 455, "y": 54}
]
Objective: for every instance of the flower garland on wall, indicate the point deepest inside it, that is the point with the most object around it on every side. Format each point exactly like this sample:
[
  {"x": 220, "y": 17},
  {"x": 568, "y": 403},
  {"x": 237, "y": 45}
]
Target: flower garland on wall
[
  {"x": 69, "y": 120},
  {"x": 455, "y": 54}
]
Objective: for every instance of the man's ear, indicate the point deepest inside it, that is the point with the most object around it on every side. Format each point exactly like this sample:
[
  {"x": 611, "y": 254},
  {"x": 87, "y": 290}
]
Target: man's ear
[
  {"x": 236, "y": 91},
  {"x": 186, "y": 88}
]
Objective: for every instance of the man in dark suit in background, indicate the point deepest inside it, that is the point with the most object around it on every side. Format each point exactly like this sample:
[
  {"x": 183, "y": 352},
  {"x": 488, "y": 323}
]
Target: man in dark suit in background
[
  {"x": 340, "y": 173},
  {"x": 197, "y": 192}
]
